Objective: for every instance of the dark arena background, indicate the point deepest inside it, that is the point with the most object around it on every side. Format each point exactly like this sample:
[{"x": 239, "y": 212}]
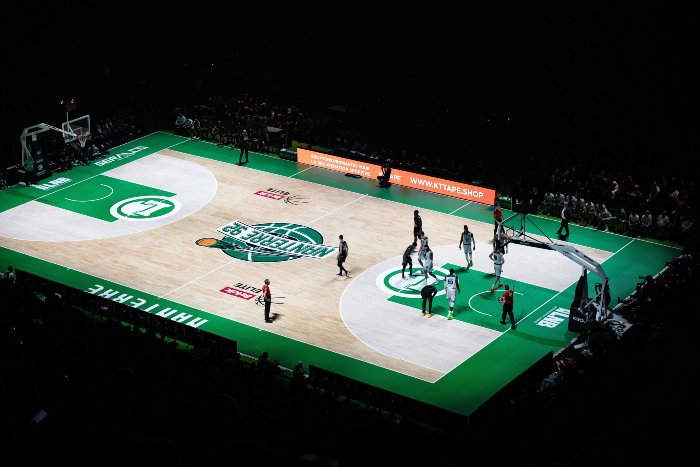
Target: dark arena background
[{"x": 176, "y": 179}]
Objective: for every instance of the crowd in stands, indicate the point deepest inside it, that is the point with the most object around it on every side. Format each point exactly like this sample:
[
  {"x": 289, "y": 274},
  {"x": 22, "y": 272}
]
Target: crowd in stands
[
  {"x": 274, "y": 126},
  {"x": 224, "y": 120},
  {"x": 612, "y": 200}
]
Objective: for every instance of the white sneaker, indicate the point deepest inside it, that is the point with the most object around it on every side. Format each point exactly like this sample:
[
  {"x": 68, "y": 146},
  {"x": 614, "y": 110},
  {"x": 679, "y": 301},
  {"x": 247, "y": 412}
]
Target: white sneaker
[{"x": 606, "y": 229}]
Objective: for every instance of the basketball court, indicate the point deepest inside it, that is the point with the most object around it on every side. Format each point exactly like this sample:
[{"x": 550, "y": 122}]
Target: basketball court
[{"x": 177, "y": 228}]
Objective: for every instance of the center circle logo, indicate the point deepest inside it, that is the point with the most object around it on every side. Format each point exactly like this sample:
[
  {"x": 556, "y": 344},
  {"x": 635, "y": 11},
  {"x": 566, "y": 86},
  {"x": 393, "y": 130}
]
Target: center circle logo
[
  {"x": 392, "y": 283},
  {"x": 245, "y": 251},
  {"x": 145, "y": 208}
]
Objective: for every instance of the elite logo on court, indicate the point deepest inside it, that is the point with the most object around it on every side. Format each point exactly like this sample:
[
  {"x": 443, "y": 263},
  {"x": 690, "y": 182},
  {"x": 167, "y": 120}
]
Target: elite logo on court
[
  {"x": 273, "y": 193},
  {"x": 269, "y": 242},
  {"x": 144, "y": 208}
]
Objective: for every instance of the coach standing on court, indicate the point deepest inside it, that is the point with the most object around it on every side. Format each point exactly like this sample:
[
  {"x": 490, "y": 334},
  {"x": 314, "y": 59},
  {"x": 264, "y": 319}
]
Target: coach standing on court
[
  {"x": 507, "y": 300},
  {"x": 268, "y": 300},
  {"x": 565, "y": 217},
  {"x": 244, "y": 147}
]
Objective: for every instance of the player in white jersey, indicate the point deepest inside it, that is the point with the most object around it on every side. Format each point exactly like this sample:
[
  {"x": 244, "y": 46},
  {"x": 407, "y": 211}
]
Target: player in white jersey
[
  {"x": 467, "y": 239},
  {"x": 498, "y": 260},
  {"x": 451, "y": 283},
  {"x": 423, "y": 244},
  {"x": 428, "y": 269},
  {"x": 500, "y": 239}
]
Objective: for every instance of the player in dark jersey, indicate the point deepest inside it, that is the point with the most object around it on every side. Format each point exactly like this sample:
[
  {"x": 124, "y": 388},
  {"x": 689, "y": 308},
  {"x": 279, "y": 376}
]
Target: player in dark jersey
[
  {"x": 407, "y": 261},
  {"x": 417, "y": 228},
  {"x": 343, "y": 251}
]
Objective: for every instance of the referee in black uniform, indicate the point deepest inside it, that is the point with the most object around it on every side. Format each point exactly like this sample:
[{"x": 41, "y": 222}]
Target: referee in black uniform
[
  {"x": 565, "y": 217},
  {"x": 427, "y": 294},
  {"x": 244, "y": 147}
]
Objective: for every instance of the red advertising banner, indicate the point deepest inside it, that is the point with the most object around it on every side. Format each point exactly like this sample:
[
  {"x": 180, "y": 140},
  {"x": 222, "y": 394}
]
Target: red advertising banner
[{"x": 398, "y": 177}]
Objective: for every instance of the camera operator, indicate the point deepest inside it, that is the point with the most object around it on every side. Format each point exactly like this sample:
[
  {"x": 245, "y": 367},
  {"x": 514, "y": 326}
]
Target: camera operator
[{"x": 385, "y": 176}]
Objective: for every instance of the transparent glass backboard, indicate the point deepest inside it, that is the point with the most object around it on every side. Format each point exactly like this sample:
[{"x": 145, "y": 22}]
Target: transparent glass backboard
[{"x": 76, "y": 127}]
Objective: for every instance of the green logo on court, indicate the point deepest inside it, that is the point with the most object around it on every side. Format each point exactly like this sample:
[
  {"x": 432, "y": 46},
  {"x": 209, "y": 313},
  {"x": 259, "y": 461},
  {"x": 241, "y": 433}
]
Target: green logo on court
[
  {"x": 269, "y": 242},
  {"x": 391, "y": 282},
  {"x": 144, "y": 208}
]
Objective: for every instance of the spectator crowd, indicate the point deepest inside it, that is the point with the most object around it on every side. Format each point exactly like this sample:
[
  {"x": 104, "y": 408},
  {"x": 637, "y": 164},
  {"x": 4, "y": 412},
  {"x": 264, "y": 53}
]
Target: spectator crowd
[{"x": 614, "y": 201}]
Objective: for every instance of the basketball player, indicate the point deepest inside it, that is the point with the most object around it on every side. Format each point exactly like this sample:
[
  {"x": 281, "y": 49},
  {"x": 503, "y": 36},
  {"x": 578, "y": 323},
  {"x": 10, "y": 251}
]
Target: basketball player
[
  {"x": 507, "y": 300},
  {"x": 407, "y": 261},
  {"x": 423, "y": 240},
  {"x": 498, "y": 260},
  {"x": 417, "y": 227},
  {"x": 451, "y": 282},
  {"x": 500, "y": 239},
  {"x": 421, "y": 251},
  {"x": 428, "y": 269},
  {"x": 468, "y": 240},
  {"x": 268, "y": 300},
  {"x": 343, "y": 251}
]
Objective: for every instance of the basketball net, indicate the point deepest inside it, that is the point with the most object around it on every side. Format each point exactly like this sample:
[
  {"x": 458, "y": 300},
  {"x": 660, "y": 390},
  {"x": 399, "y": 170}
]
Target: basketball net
[{"x": 82, "y": 140}]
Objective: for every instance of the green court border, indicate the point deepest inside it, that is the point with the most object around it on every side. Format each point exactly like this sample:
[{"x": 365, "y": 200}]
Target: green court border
[{"x": 462, "y": 390}]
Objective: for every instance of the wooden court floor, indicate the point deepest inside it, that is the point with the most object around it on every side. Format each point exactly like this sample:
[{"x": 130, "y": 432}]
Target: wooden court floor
[{"x": 164, "y": 260}]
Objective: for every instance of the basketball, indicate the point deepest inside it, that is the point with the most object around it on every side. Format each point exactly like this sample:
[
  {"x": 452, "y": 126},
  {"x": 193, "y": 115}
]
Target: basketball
[{"x": 207, "y": 242}]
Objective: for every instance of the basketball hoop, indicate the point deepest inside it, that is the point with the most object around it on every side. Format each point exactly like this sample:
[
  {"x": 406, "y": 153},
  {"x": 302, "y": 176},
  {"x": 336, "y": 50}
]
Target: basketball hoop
[{"x": 82, "y": 140}]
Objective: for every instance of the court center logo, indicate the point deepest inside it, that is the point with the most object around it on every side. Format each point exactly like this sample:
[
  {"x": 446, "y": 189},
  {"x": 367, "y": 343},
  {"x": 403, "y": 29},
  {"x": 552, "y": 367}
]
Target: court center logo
[
  {"x": 391, "y": 282},
  {"x": 145, "y": 208},
  {"x": 269, "y": 242}
]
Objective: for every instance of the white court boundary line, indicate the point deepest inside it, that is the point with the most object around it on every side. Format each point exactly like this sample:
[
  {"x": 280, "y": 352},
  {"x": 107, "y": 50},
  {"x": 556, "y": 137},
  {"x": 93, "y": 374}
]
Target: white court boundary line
[
  {"x": 301, "y": 171},
  {"x": 195, "y": 280},
  {"x": 470, "y": 202},
  {"x": 91, "y": 200},
  {"x": 479, "y": 293},
  {"x": 341, "y": 207}
]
